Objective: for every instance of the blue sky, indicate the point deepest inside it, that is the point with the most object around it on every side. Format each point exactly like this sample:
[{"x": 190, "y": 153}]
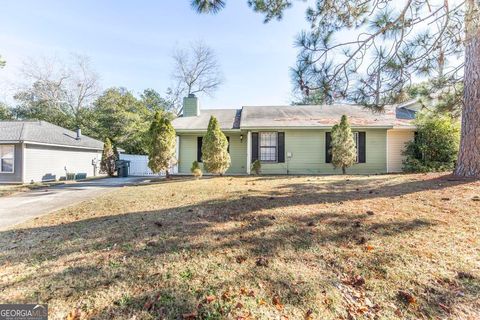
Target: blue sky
[{"x": 131, "y": 42}]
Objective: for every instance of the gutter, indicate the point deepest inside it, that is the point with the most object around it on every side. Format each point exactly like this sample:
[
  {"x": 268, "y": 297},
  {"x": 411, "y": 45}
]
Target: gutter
[{"x": 53, "y": 145}]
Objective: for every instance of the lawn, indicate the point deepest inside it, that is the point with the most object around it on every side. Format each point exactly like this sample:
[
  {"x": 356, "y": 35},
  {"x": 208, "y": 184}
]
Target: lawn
[{"x": 307, "y": 247}]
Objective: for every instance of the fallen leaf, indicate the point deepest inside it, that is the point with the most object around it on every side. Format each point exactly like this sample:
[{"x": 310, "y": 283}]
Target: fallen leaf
[
  {"x": 239, "y": 305},
  {"x": 190, "y": 316},
  {"x": 240, "y": 259},
  {"x": 362, "y": 309},
  {"x": 262, "y": 262},
  {"x": 276, "y": 302},
  {"x": 369, "y": 247},
  {"x": 309, "y": 315},
  {"x": 261, "y": 302},
  {"x": 209, "y": 299},
  {"x": 407, "y": 296},
  {"x": 74, "y": 315}
]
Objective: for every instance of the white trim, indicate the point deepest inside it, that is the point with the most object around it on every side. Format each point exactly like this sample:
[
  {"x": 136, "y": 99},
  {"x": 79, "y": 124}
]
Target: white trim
[
  {"x": 249, "y": 151},
  {"x": 24, "y": 167},
  {"x": 63, "y": 146},
  {"x": 13, "y": 163},
  {"x": 386, "y": 150}
]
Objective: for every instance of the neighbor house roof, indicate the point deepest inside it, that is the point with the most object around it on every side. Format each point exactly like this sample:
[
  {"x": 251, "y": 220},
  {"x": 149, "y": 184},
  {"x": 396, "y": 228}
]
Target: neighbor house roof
[
  {"x": 311, "y": 116},
  {"x": 229, "y": 119},
  {"x": 42, "y": 132}
]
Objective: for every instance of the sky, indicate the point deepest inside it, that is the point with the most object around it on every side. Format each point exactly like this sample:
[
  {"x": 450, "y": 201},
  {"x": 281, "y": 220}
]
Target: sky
[{"x": 130, "y": 44}]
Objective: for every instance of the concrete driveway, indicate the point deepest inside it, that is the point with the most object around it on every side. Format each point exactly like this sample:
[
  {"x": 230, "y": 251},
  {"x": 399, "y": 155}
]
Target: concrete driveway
[{"x": 21, "y": 207}]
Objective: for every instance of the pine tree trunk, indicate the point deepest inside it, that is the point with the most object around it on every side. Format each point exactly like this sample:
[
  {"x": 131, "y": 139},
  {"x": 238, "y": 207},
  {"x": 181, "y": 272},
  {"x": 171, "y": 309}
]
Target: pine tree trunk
[
  {"x": 167, "y": 174},
  {"x": 468, "y": 163},
  {"x": 344, "y": 170}
]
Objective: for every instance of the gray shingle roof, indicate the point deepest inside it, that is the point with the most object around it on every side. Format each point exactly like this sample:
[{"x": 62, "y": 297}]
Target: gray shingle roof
[
  {"x": 44, "y": 132},
  {"x": 257, "y": 117},
  {"x": 321, "y": 116},
  {"x": 229, "y": 119}
]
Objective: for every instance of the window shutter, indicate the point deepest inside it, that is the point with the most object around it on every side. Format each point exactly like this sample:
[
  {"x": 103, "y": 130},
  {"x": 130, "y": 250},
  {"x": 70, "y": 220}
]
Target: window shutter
[
  {"x": 361, "y": 147},
  {"x": 254, "y": 146},
  {"x": 328, "y": 147},
  {"x": 281, "y": 147},
  {"x": 199, "y": 148}
]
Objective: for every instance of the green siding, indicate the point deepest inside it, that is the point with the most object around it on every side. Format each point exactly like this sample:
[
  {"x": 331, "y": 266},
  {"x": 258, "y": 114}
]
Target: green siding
[
  {"x": 238, "y": 153},
  {"x": 308, "y": 154}
]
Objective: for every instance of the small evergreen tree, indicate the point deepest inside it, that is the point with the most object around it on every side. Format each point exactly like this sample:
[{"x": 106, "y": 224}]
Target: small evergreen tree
[
  {"x": 215, "y": 149},
  {"x": 196, "y": 170},
  {"x": 256, "y": 167},
  {"x": 107, "y": 164},
  {"x": 161, "y": 155},
  {"x": 344, "y": 151},
  {"x": 435, "y": 146}
]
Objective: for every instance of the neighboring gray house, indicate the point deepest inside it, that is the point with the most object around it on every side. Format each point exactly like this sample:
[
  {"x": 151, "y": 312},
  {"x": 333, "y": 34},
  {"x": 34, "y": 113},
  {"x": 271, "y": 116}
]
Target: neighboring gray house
[{"x": 32, "y": 151}]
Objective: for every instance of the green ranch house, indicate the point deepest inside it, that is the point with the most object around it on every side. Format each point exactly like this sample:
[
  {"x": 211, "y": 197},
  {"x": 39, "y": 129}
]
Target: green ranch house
[{"x": 295, "y": 139}]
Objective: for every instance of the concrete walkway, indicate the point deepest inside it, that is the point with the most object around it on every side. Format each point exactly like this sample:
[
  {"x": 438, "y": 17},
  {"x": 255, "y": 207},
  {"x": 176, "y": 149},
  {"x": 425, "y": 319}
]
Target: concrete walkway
[{"x": 21, "y": 207}]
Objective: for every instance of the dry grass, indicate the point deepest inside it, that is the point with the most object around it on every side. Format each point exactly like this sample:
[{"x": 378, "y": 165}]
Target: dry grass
[{"x": 386, "y": 247}]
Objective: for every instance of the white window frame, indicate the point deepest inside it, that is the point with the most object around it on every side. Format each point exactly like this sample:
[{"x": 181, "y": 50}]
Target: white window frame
[
  {"x": 12, "y": 158},
  {"x": 269, "y": 147}
]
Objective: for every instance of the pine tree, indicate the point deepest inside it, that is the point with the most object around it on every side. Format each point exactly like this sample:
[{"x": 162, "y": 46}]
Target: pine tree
[
  {"x": 162, "y": 145},
  {"x": 215, "y": 149},
  {"x": 344, "y": 152},
  {"x": 107, "y": 164}
]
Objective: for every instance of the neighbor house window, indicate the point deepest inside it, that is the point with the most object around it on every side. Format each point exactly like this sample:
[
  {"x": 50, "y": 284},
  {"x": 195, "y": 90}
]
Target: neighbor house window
[
  {"x": 7, "y": 158},
  {"x": 268, "y": 146}
]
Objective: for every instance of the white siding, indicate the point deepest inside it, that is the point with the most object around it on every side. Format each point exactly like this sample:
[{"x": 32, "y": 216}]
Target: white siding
[
  {"x": 396, "y": 145},
  {"x": 139, "y": 165},
  {"x": 44, "y": 163}
]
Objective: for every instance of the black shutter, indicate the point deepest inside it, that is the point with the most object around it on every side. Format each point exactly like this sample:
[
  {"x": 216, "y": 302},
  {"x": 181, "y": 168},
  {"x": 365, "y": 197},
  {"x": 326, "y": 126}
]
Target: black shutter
[
  {"x": 228, "y": 146},
  {"x": 199, "y": 148},
  {"x": 254, "y": 146},
  {"x": 361, "y": 148},
  {"x": 328, "y": 147},
  {"x": 281, "y": 146}
]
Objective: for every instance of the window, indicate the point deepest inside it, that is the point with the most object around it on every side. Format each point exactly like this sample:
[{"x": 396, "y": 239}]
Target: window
[
  {"x": 7, "y": 158},
  {"x": 268, "y": 146}
]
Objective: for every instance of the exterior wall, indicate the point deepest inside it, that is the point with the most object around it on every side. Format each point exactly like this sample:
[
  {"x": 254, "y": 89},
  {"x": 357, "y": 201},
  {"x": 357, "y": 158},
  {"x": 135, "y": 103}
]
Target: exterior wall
[
  {"x": 46, "y": 163},
  {"x": 396, "y": 145},
  {"x": 308, "y": 154},
  {"x": 307, "y": 148},
  {"x": 16, "y": 176},
  {"x": 188, "y": 153}
]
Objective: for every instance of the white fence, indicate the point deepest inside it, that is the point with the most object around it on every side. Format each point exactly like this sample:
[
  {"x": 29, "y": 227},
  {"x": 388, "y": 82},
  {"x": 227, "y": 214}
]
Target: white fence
[{"x": 139, "y": 165}]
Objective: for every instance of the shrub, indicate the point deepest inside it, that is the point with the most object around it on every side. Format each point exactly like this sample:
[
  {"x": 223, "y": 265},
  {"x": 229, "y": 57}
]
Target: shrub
[
  {"x": 196, "y": 170},
  {"x": 107, "y": 164},
  {"x": 216, "y": 158},
  {"x": 162, "y": 149},
  {"x": 435, "y": 146},
  {"x": 256, "y": 167},
  {"x": 344, "y": 152}
]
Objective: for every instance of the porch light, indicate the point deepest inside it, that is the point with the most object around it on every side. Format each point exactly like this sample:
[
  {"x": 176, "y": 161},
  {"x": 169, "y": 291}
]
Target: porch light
[{"x": 241, "y": 138}]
